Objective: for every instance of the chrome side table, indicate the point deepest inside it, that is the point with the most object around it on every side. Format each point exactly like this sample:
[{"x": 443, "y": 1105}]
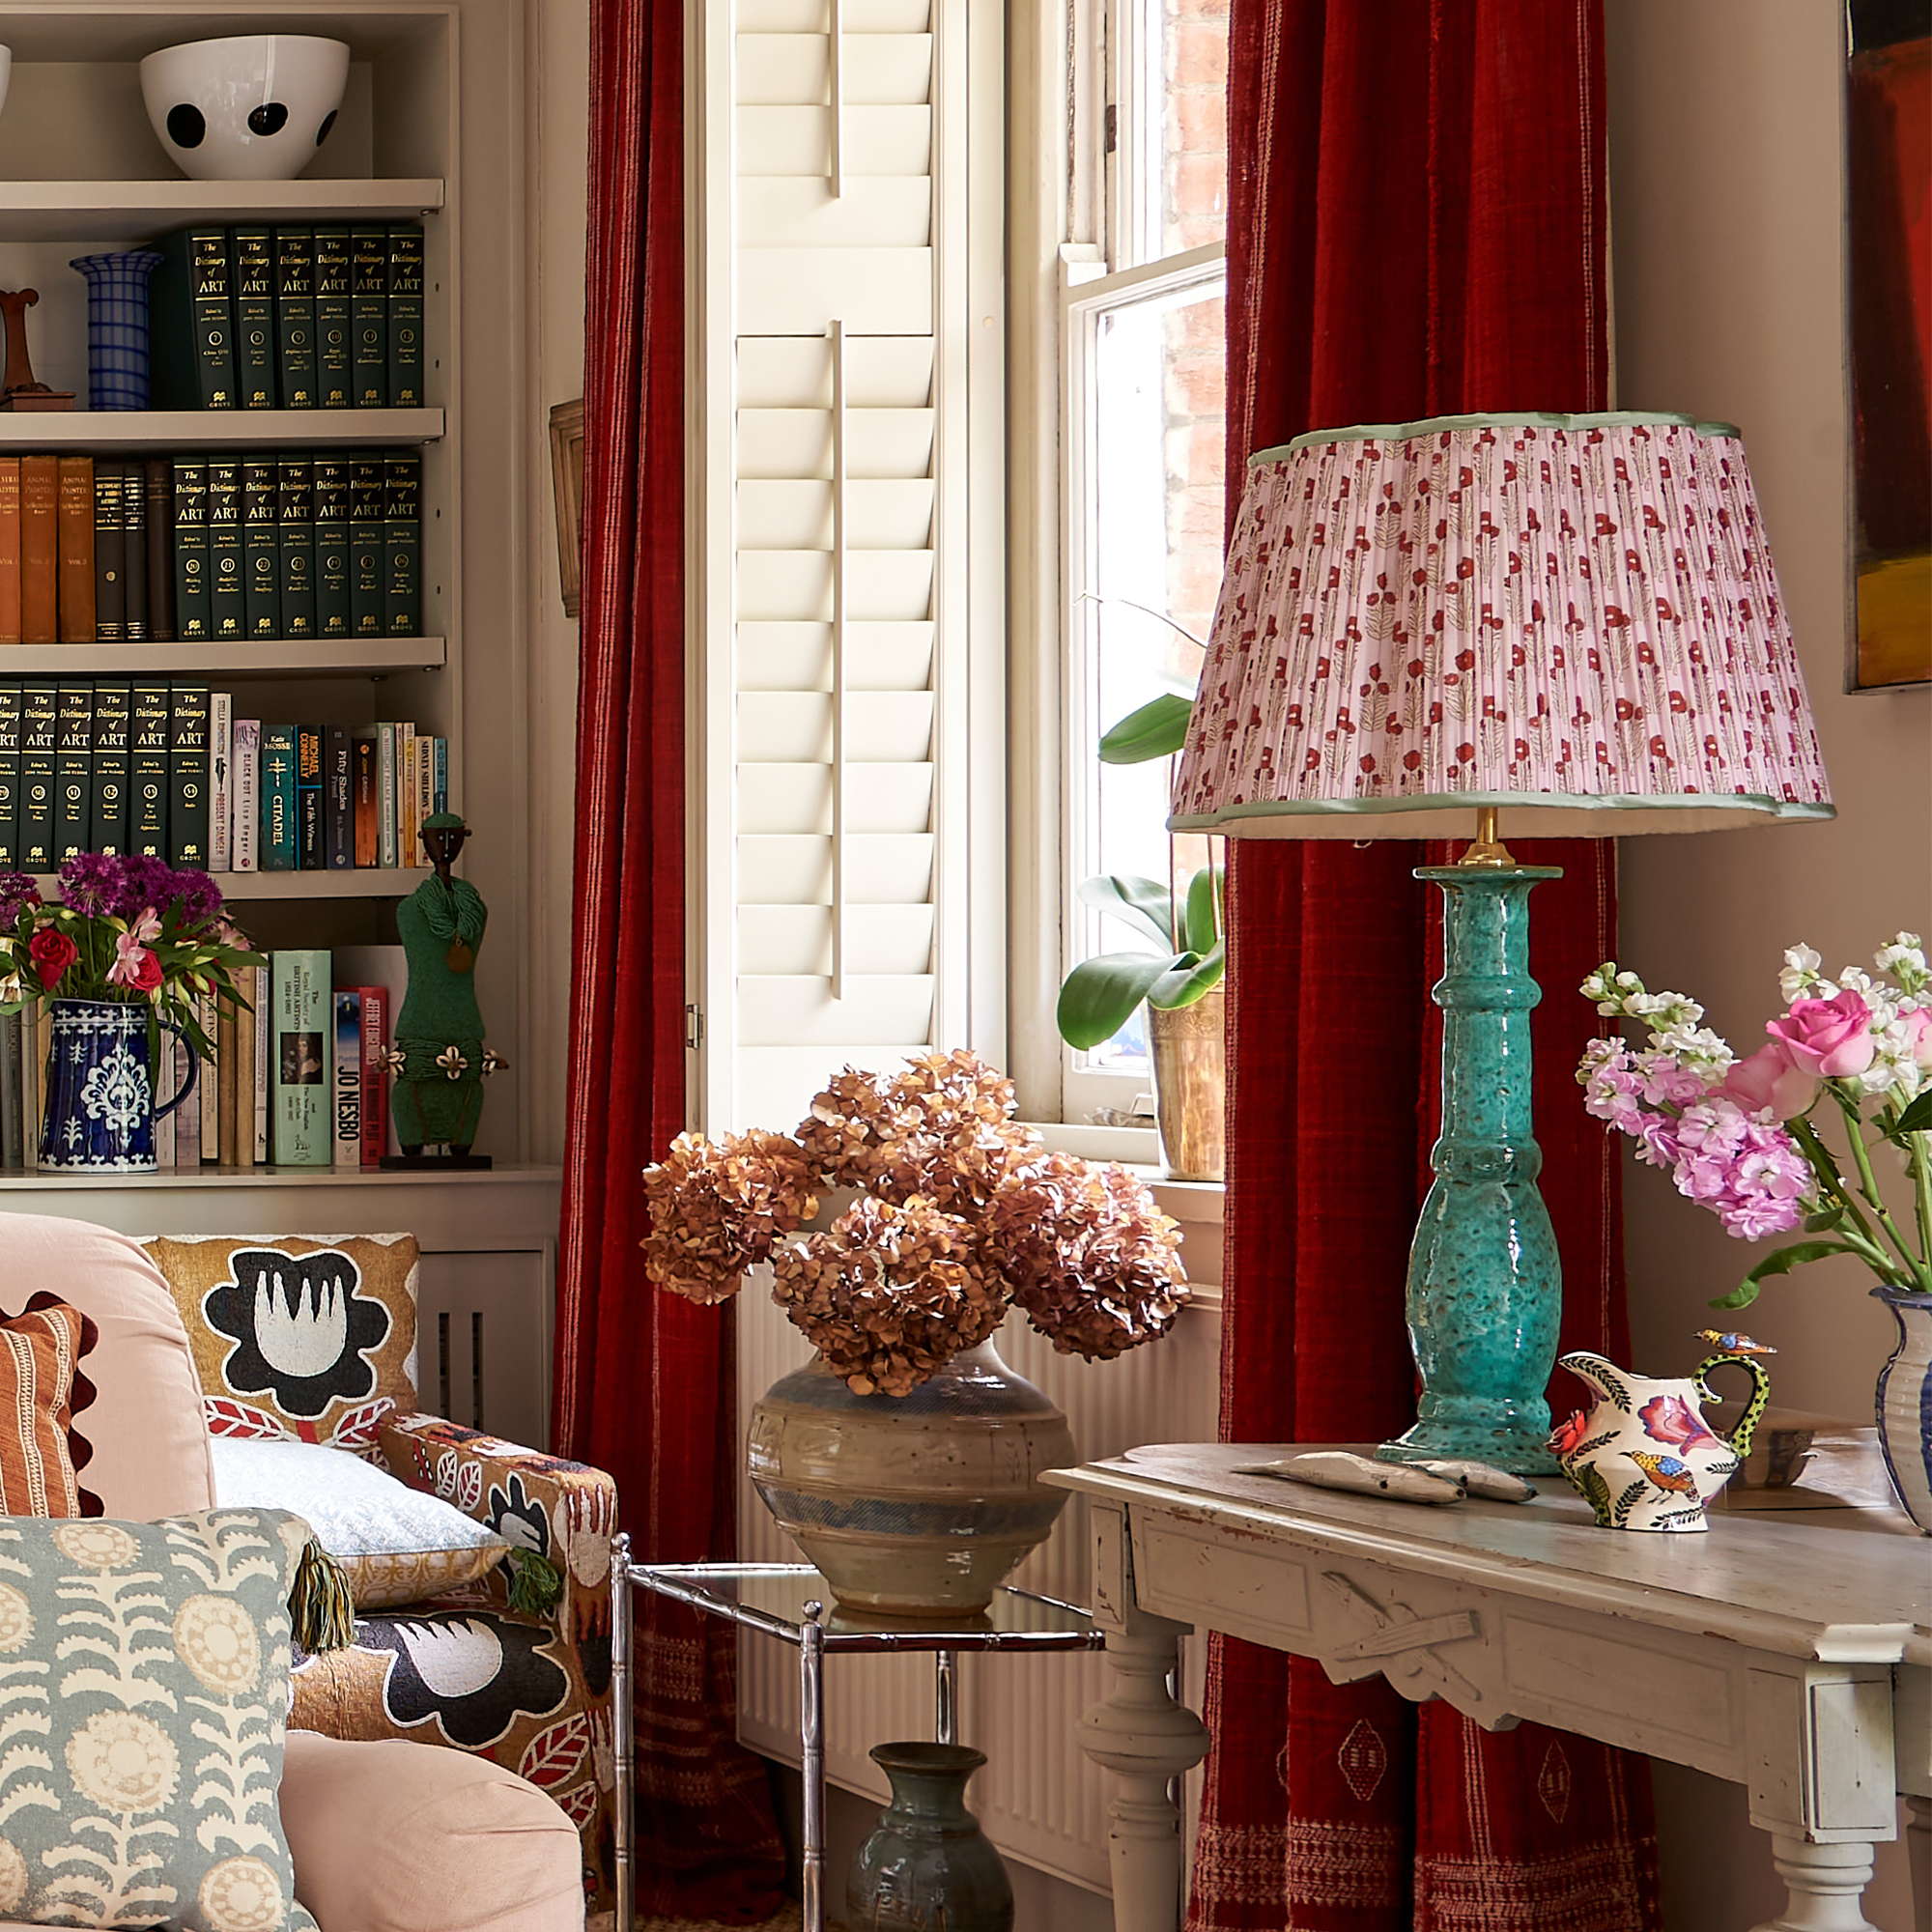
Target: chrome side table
[{"x": 792, "y": 1603}]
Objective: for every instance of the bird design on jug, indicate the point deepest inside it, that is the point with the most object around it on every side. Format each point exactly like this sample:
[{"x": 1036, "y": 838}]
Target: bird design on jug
[{"x": 1642, "y": 1455}]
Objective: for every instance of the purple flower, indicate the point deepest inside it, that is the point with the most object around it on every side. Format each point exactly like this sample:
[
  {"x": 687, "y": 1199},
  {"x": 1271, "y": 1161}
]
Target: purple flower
[
  {"x": 18, "y": 891},
  {"x": 91, "y": 883},
  {"x": 199, "y": 895}
]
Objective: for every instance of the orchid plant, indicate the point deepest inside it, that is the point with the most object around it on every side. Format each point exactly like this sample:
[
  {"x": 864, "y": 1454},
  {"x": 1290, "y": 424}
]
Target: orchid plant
[
  {"x": 127, "y": 930},
  {"x": 1741, "y": 1137}
]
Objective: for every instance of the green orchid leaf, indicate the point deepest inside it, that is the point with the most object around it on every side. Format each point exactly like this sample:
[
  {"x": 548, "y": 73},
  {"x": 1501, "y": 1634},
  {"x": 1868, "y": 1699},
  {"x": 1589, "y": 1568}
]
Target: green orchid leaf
[
  {"x": 1916, "y": 1118},
  {"x": 1156, "y": 730},
  {"x": 1189, "y": 978},
  {"x": 1099, "y": 995},
  {"x": 1203, "y": 910},
  {"x": 1145, "y": 904},
  {"x": 1782, "y": 1262}
]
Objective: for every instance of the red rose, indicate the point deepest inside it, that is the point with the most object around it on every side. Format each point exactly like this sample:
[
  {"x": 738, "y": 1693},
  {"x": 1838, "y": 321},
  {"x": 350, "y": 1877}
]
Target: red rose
[
  {"x": 147, "y": 973},
  {"x": 52, "y": 953}
]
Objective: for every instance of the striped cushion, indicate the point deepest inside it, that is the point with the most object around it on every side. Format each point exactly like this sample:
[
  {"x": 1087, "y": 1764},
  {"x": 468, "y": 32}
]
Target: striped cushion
[{"x": 41, "y": 1388}]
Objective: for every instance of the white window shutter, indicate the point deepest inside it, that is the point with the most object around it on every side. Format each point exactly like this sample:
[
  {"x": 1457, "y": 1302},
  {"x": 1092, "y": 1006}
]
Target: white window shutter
[{"x": 834, "y": 609}]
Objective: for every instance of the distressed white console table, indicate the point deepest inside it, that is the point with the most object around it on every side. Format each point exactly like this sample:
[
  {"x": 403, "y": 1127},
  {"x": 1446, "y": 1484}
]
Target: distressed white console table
[{"x": 1789, "y": 1653}]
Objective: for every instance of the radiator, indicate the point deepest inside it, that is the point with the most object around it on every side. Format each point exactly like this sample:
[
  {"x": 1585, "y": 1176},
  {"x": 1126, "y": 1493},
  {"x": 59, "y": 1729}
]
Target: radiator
[{"x": 1038, "y": 1798}]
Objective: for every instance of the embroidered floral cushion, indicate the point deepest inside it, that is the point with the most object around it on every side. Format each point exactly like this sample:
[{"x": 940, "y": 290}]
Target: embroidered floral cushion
[
  {"x": 144, "y": 1682},
  {"x": 306, "y": 1336},
  {"x": 397, "y": 1544},
  {"x": 41, "y": 1389}
]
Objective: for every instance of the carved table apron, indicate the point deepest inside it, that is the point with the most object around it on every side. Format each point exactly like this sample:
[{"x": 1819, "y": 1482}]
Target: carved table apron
[{"x": 1788, "y": 1652}]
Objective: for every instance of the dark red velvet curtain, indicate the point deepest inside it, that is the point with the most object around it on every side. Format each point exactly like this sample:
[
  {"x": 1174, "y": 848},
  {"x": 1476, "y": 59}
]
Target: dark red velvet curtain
[
  {"x": 645, "y": 1380},
  {"x": 1416, "y": 227}
]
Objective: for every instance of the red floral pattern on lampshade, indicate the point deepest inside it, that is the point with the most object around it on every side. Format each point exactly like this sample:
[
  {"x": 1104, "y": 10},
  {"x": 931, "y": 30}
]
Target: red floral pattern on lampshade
[{"x": 1582, "y": 609}]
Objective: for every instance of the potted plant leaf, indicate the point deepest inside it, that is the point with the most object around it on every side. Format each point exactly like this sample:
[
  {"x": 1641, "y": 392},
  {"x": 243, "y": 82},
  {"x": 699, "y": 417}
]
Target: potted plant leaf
[{"x": 1179, "y": 980}]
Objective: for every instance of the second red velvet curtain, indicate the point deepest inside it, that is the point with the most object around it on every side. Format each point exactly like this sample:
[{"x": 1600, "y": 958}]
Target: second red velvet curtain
[
  {"x": 1416, "y": 228},
  {"x": 645, "y": 1380}
]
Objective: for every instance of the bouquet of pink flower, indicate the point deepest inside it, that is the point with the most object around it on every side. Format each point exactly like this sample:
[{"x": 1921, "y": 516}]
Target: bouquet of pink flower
[
  {"x": 1741, "y": 1137},
  {"x": 125, "y": 929}
]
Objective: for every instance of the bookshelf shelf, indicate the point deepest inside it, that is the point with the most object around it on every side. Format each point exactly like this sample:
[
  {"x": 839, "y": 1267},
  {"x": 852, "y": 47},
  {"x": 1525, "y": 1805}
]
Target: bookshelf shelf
[
  {"x": 364, "y": 882},
  {"x": 170, "y": 1178},
  {"x": 105, "y": 432},
  {"x": 133, "y": 211},
  {"x": 270, "y": 657}
]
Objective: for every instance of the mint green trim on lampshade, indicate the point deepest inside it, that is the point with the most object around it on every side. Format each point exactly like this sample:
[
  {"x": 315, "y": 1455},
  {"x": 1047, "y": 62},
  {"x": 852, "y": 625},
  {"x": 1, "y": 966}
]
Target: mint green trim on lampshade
[
  {"x": 1524, "y": 815},
  {"x": 1314, "y": 438}
]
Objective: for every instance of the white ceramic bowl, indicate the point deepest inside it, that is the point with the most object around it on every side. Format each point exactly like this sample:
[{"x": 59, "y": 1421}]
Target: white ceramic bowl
[{"x": 254, "y": 107}]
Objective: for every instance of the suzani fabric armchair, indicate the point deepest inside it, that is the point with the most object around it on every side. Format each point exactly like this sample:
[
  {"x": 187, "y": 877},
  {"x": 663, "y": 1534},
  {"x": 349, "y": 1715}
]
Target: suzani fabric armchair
[{"x": 314, "y": 1338}]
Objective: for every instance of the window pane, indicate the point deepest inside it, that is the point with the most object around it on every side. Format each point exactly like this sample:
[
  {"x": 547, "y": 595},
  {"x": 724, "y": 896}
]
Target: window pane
[
  {"x": 1193, "y": 123},
  {"x": 1155, "y": 547}
]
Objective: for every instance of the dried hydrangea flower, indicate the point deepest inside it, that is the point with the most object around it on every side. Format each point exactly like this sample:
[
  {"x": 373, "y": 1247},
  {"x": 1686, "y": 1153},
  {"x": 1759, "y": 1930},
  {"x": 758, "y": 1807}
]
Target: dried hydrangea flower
[
  {"x": 854, "y": 1130},
  {"x": 718, "y": 1208},
  {"x": 961, "y": 1138},
  {"x": 889, "y": 1294},
  {"x": 1088, "y": 1255}
]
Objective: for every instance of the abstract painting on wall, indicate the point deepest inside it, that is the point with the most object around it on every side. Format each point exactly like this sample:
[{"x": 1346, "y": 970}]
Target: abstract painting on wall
[{"x": 1888, "y": 133}]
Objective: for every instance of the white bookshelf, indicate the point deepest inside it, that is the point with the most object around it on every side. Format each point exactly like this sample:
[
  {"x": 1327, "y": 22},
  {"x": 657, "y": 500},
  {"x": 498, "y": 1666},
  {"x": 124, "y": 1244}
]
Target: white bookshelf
[{"x": 431, "y": 128}]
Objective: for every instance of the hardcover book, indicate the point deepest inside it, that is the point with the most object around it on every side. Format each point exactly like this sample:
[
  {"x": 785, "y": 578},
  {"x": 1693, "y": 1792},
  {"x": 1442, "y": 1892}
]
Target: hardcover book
[
  {"x": 40, "y": 715},
  {"x": 408, "y": 848},
  {"x": 299, "y": 1031},
  {"x": 369, "y": 317},
  {"x": 191, "y": 323},
  {"x": 243, "y": 1097},
  {"x": 347, "y": 1120},
  {"x": 261, "y": 545},
  {"x": 375, "y": 1080},
  {"x": 382, "y": 970},
  {"x": 244, "y": 764},
  {"x": 329, "y": 498},
  {"x": 334, "y": 349},
  {"x": 157, "y": 482},
  {"x": 227, "y": 591},
  {"x": 108, "y": 814},
  {"x": 277, "y": 849},
  {"x": 39, "y": 550},
  {"x": 187, "y": 776},
  {"x": 368, "y": 801},
  {"x": 9, "y": 549},
  {"x": 221, "y": 781},
  {"x": 73, "y": 768},
  {"x": 151, "y": 712},
  {"x": 193, "y": 620},
  {"x": 255, "y": 317},
  {"x": 133, "y": 554},
  {"x": 405, "y": 316},
  {"x": 77, "y": 550},
  {"x": 206, "y": 1094},
  {"x": 338, "y": 808},
  {"x": 10, "y": 775},
  {"x": 295, "y": 494},
  {"x": 263, "y": 999},
  {"x": 309, "y": 857},
  {"x": 367, "y": 538},
  {"x": 388, "y": 781},
  {"x": 402, "y": 543},
  {"x": 110, "y": 602},
  {"x": 294, "y": 317},
  {"x": 226, "y": 1072},
  {"x": 13, "y": 1115}
]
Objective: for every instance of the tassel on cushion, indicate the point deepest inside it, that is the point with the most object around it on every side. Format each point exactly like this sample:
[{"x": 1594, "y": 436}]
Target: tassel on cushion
[
  {"x": 536, "y": 1583},
  {"x": 322, "y": 1607}
]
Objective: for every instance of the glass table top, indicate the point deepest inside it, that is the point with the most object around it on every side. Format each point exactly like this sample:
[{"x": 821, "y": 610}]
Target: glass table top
[{"x": 772, "y": 1597}]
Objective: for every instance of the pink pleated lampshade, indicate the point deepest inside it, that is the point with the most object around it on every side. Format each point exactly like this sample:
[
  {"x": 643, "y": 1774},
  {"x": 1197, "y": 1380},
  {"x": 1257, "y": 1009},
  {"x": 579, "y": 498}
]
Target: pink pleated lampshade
[{"x": 1573, "y": 617}]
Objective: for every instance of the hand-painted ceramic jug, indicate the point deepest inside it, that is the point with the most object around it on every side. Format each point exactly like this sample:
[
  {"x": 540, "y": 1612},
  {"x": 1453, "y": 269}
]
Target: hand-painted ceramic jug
[{"x": 1644, "y": 1458}]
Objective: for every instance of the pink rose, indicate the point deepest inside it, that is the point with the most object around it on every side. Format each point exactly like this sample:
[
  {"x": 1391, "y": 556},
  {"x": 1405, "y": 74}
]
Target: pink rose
[
  {"x": 1770, "y": 1078},
  {"x": 1828, "y": 1038}
]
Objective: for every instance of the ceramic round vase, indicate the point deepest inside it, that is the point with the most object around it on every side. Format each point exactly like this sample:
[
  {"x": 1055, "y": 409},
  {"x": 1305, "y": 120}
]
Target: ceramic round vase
[
  {"x": 246, "y": 107},
  {"x": 101, "y": 1093},
  {"x": 927, "y": 1867},
  {"x": 1905, "y": 1404},
  {"x": 1643, "y": 1457},
  {"x": 913, "y": 1505},
  {"x": 117, "y": 328}
]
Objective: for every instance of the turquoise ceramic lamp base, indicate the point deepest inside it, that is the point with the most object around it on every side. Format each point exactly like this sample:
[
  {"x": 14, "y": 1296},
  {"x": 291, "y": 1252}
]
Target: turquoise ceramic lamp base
[{"x": 1485, "y": 1288}]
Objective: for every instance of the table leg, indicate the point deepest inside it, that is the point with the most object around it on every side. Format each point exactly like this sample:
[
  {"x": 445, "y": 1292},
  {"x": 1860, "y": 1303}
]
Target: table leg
[
  {"x": 623, "y": 1734},
  {"x": 1825, "y": 1883},
  {"x": 811, "y": 1765},
  {"x": 945, "y": 1696}
]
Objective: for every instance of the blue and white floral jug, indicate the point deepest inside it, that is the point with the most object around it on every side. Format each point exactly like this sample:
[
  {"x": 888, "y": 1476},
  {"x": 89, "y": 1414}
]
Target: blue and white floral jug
[
  {"x": 1643, "y": 1457},
  {"x": 100, "y": 1090}
]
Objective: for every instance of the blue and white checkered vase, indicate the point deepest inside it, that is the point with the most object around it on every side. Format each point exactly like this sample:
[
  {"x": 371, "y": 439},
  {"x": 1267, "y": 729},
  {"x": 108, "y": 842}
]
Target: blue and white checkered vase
[{"x": 117, "y": 328}]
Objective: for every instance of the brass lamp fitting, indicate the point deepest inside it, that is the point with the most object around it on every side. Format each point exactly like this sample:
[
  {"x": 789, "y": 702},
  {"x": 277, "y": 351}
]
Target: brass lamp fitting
[{"x": 1486, "y": 850}]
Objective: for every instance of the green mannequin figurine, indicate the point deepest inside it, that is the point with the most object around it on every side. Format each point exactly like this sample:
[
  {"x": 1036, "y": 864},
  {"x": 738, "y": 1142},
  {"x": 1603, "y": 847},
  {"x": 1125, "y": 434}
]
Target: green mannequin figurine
[{"x": 439, "y": 1057}]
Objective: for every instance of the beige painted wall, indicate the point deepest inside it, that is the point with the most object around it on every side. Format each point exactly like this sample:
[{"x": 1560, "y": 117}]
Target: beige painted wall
[
  {"x": 556, "y": 59},
  {"x": 1727, "y": 185}
]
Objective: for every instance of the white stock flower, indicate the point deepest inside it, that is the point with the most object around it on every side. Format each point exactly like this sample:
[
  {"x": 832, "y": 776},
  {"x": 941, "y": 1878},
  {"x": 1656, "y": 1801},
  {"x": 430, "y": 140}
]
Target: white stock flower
[
  {"x": 1696, "y": 1046},
  {"x": 1855, "y": 979},
  {"x": 1801, "y": 969},
  {"x": 1904, "y": 959}
]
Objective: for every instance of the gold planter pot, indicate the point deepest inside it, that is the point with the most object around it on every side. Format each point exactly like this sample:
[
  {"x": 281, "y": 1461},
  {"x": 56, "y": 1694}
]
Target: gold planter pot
[{"x": 1190, "y": 1085}]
